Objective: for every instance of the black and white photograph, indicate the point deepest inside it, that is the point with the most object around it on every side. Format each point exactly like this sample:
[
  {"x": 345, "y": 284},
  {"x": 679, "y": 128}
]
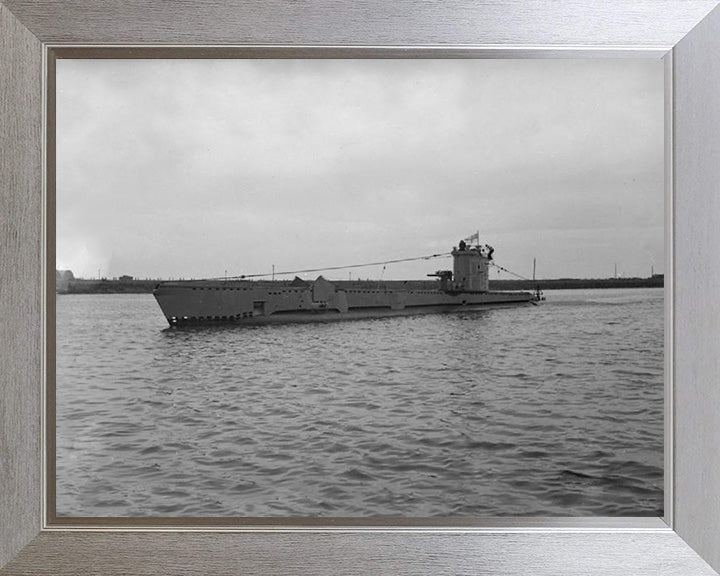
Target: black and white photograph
[{"x": 359, "y": 288}]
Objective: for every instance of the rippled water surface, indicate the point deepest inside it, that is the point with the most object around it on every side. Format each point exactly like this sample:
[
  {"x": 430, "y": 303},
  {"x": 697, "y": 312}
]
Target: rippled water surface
[{"x": 548, "y": 410}]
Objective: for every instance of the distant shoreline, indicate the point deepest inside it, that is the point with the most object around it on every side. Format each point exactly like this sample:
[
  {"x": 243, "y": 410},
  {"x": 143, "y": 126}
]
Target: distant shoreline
[
  {"x": 657, "y": 281},
  {"x": 105, "y": 286}
]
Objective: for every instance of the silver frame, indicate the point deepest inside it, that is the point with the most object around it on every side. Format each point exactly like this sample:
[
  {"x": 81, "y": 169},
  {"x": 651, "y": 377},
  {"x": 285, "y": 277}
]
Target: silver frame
[{"x": 579, "y": 546}]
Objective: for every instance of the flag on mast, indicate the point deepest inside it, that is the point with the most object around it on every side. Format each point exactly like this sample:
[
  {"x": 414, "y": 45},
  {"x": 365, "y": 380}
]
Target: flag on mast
[{"x": 473, "y": 240}]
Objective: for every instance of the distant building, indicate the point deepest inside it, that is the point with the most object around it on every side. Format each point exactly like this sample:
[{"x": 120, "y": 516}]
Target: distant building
[
  {"x": 62, "y": 280},
  {"x": 125, "y": 278}
]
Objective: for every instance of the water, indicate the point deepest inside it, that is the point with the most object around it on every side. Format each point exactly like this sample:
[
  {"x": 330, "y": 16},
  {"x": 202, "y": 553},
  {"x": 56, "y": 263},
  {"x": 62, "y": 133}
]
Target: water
[{"x": 548, "y": 410}]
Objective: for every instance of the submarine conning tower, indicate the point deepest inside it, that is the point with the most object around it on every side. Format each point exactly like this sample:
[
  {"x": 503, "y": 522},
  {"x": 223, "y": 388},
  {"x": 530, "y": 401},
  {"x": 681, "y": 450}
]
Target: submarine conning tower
[{"x": 470, "y": 267}]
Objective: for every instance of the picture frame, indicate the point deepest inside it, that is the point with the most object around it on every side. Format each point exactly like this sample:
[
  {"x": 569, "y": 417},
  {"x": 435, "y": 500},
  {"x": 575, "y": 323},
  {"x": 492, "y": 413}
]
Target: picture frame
[{"x": 685, "y": 33}]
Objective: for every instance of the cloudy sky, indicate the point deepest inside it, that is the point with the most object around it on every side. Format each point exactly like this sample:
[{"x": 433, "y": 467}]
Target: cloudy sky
[{"x": 189, "y": 168}]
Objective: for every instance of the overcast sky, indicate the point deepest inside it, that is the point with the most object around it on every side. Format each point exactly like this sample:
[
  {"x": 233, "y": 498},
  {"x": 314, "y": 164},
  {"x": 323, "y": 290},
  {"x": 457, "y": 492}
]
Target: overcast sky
[{"x": 189, "y": 168}]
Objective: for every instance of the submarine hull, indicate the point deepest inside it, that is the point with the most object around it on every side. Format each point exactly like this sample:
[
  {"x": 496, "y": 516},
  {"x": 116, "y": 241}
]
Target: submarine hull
[{"x": 263, "y": 302}]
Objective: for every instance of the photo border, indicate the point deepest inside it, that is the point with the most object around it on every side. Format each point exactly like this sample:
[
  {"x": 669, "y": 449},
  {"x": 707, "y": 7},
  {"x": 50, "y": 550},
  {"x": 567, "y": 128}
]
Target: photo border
[{"x": 54, "y": 53}]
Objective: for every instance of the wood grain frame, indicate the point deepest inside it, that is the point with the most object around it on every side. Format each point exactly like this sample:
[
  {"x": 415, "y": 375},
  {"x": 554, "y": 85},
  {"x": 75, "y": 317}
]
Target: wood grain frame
[{"x": 686, "y": 33}]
